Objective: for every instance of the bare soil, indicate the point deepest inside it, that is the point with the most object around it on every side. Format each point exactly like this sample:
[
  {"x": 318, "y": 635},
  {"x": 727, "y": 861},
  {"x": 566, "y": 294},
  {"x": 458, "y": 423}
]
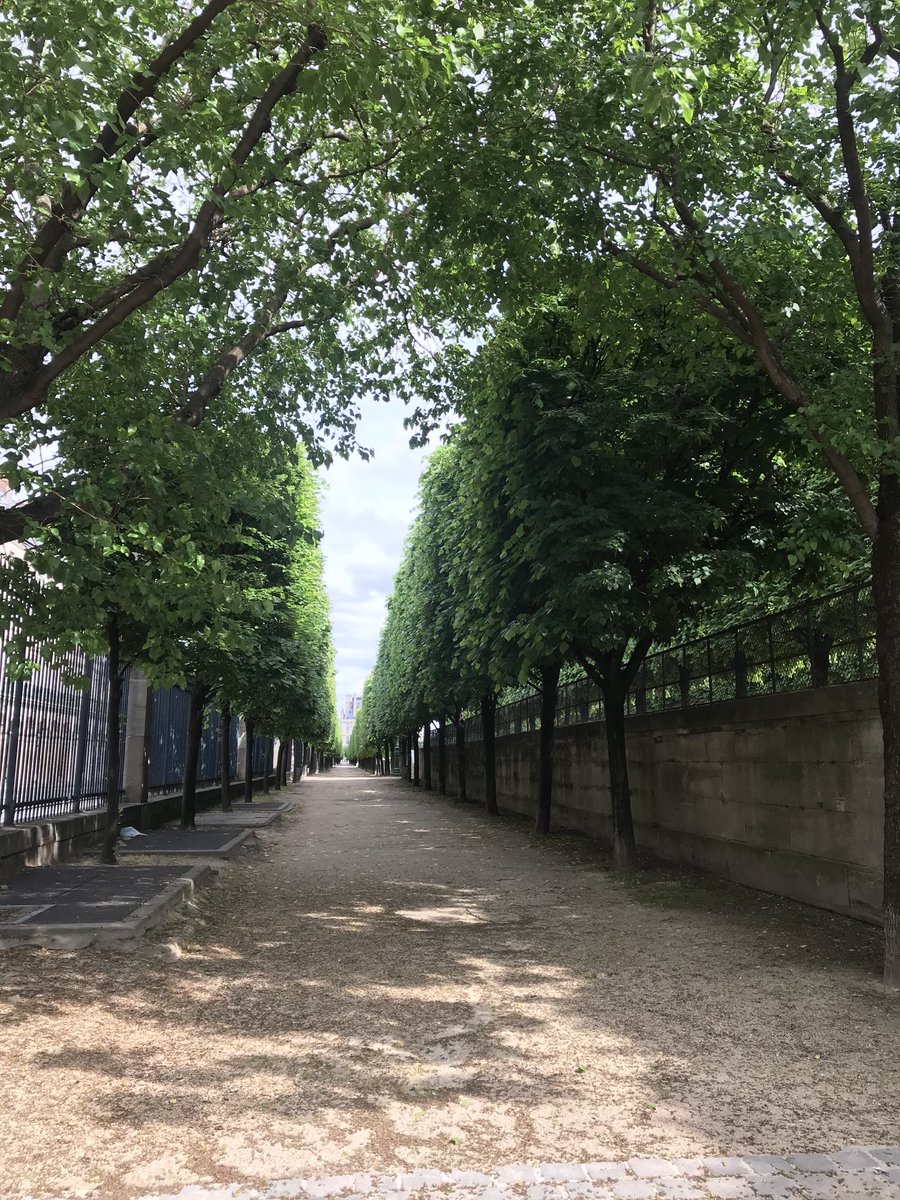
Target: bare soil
[{"x": 391, "y": 981}]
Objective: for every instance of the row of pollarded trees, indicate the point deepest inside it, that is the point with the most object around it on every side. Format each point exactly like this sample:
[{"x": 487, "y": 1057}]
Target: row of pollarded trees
[
  {"x": 740, "y": 162},
  {"x": 591, "y": 506},
  {"x": 200, "y": 197},
  {"x": 203, "y": 568}
]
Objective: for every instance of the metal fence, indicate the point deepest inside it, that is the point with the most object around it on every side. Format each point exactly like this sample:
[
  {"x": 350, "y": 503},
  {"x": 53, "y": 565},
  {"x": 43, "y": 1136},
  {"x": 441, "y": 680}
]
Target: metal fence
[
  {"x": 813, "y": 644},
  {"x": 168, "y": 742},
  {"x": 53, "y": 741}
]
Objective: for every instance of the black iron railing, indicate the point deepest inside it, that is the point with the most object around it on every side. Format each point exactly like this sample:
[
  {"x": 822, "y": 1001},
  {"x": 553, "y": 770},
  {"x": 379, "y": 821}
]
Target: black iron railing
[
  {"x": 813, "y": 644},
  {"x": 53, "y": 740}
]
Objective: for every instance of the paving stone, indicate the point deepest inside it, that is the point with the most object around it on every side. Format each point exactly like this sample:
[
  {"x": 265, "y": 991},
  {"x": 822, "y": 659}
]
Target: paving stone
[
  {"x": 604, "y": 1171},
  {"x": 330, "y": 1186},
  {"x": 889, "y": 1155},
  {"x": 854, "y": 1160},
  {"x": 812, "y": 1162},
  {"x": 727, "y": 1166},
  {"x": 470, "y": 1179},
  {"x": 635, "y": 1189},
  {"x": 777, "y": 1187},
  {"x": 546, "y": 1191},
  {"x": 419, "y": 1179},
  {"x": 562, "y": 1172},
  {"x": 652, "y": 1168},
  {"x": 819, "y": 1185},
  {"x": 766, "y": 1164},
  {"x": 517, "y": 1173},
  {"x": 680, "y": 1189},
  {"x": 287, "y": 1188},
  {"x": 692, "y": 1167},
  {"x": 730, "y": 1187}
]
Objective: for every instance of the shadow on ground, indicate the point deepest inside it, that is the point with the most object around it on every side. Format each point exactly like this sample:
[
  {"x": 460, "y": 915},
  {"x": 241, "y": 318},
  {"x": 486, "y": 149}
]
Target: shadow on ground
[{"x": 396, "y": 981}]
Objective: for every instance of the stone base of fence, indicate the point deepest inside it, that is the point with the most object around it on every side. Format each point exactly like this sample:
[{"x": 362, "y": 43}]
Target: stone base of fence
[
  {"x": 780, "y": 792},
  {"x": 44, "y": 842}
]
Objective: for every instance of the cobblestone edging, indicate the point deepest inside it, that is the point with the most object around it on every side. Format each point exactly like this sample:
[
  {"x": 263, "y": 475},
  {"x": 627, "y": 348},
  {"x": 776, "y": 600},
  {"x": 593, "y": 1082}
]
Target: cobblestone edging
[{"x": 871, "y": 1172}]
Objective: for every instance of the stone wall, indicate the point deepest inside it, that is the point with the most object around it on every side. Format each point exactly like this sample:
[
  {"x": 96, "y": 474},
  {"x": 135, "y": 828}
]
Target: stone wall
[
  {"x": 41, "y": 843},
  {"x": 783, "y": 792}
]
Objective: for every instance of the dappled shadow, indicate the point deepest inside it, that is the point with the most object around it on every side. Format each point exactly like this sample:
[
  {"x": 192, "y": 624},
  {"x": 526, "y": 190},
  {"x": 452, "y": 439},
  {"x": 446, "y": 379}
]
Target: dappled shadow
[{"x": 395, "y": 980}]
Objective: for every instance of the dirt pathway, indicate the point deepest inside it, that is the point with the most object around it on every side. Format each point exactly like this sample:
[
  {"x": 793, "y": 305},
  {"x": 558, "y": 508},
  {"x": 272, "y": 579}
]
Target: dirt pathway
[{"x": 392, "y": 982}]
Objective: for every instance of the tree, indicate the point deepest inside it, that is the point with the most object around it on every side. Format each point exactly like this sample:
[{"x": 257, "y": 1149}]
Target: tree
[
  {"x": 743, "y": 161},
  {"x": 225, "y": 189},
  {"x": 132, "y": 589},
  {"x": 634, "y": 498},
  {"x": 153, "y": 561},
  {"x": 179, "y": 139}
]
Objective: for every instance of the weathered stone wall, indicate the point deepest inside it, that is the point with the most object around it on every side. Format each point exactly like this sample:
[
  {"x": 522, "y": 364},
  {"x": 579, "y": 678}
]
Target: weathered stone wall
[
  {"x": 783, "y": 793},
  {"x": 55, "y": 839}
]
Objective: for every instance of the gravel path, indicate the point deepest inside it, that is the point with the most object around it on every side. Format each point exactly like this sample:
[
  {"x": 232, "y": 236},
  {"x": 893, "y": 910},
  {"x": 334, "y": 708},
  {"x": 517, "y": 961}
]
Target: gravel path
[{"x": 391, "y": 983}]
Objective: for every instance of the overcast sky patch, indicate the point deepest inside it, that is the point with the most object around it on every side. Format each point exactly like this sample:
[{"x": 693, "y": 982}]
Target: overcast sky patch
[{"x": 367, "y": 509}]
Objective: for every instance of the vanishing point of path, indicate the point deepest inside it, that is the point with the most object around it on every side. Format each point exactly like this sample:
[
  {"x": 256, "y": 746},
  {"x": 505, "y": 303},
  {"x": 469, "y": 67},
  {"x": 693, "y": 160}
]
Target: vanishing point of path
[{"x": 391, "y": 982}]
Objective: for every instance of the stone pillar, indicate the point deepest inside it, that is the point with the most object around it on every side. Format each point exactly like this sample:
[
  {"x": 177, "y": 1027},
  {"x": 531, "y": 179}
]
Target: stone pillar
[
  {"x": 137, "y": 739},
  {"x": 241, "y": 749}
]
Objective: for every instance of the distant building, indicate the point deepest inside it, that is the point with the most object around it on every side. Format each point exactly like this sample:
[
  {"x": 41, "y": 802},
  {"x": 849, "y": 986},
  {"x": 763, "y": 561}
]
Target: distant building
[{"x": 348, "y": 716}]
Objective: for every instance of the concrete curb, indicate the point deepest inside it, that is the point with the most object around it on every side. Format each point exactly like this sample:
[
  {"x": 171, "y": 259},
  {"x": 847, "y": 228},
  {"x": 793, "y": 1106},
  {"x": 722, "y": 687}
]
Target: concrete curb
[
  {"x": 261, "y": 806},
  {"x": 144, "y": 917},
  {"x": 795, "y": 1177},
  {"x": 240, "y": 838},
  {"x": 243, "y": 819}
]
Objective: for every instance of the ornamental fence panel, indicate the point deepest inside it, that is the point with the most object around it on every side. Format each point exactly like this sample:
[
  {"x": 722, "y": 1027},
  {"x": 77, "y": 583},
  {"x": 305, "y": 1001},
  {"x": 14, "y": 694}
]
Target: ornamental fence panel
[
  {"x": 53, "y": 739},
  {"x": 827, "y": 640}
]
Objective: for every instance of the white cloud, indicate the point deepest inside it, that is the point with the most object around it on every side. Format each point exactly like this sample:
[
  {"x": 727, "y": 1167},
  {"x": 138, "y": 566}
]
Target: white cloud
[{"x": 367, "y": 509}]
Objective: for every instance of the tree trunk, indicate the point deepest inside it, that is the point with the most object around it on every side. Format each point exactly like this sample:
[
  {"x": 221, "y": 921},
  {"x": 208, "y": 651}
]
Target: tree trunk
[
  {"x": 549, "y": 689},
  {"x": 426, "y": 755},
  {"x": 624, "y": 857},
  {"x": 442, "y": 757},
  {"x": 489, "y": 730},
  {"x": 249, "y": 740},
  {"x": 225, "y": 756},
  {"x": 113, "y": 704},
  {"x": 415, "y": 753},
  {"x": 460, "y": 759},
  {"x": 199, "y": 692},
  {"x": 279, "y": 767},
  {"x": 886, "y": 595},
  {"x": 267, "y": 765}
]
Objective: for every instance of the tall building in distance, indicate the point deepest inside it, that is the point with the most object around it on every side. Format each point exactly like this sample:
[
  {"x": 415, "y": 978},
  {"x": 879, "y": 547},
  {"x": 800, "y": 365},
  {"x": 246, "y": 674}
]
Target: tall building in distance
[{"x": 348, "y": 716}]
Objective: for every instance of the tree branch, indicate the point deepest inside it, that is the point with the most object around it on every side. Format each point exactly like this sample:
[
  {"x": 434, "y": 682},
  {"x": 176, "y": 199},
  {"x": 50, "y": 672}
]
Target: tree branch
[
  {"x": 51, "y": 245},
  {"x": 635, "y": 658},
  {"x": 843, "y": 86},
  {"x": 185, "y": 258},
  {"x": 195, "y": 408}
]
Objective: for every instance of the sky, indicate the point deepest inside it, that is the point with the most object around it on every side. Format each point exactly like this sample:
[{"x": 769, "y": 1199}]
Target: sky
[{"x": 367, "y": 509}]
